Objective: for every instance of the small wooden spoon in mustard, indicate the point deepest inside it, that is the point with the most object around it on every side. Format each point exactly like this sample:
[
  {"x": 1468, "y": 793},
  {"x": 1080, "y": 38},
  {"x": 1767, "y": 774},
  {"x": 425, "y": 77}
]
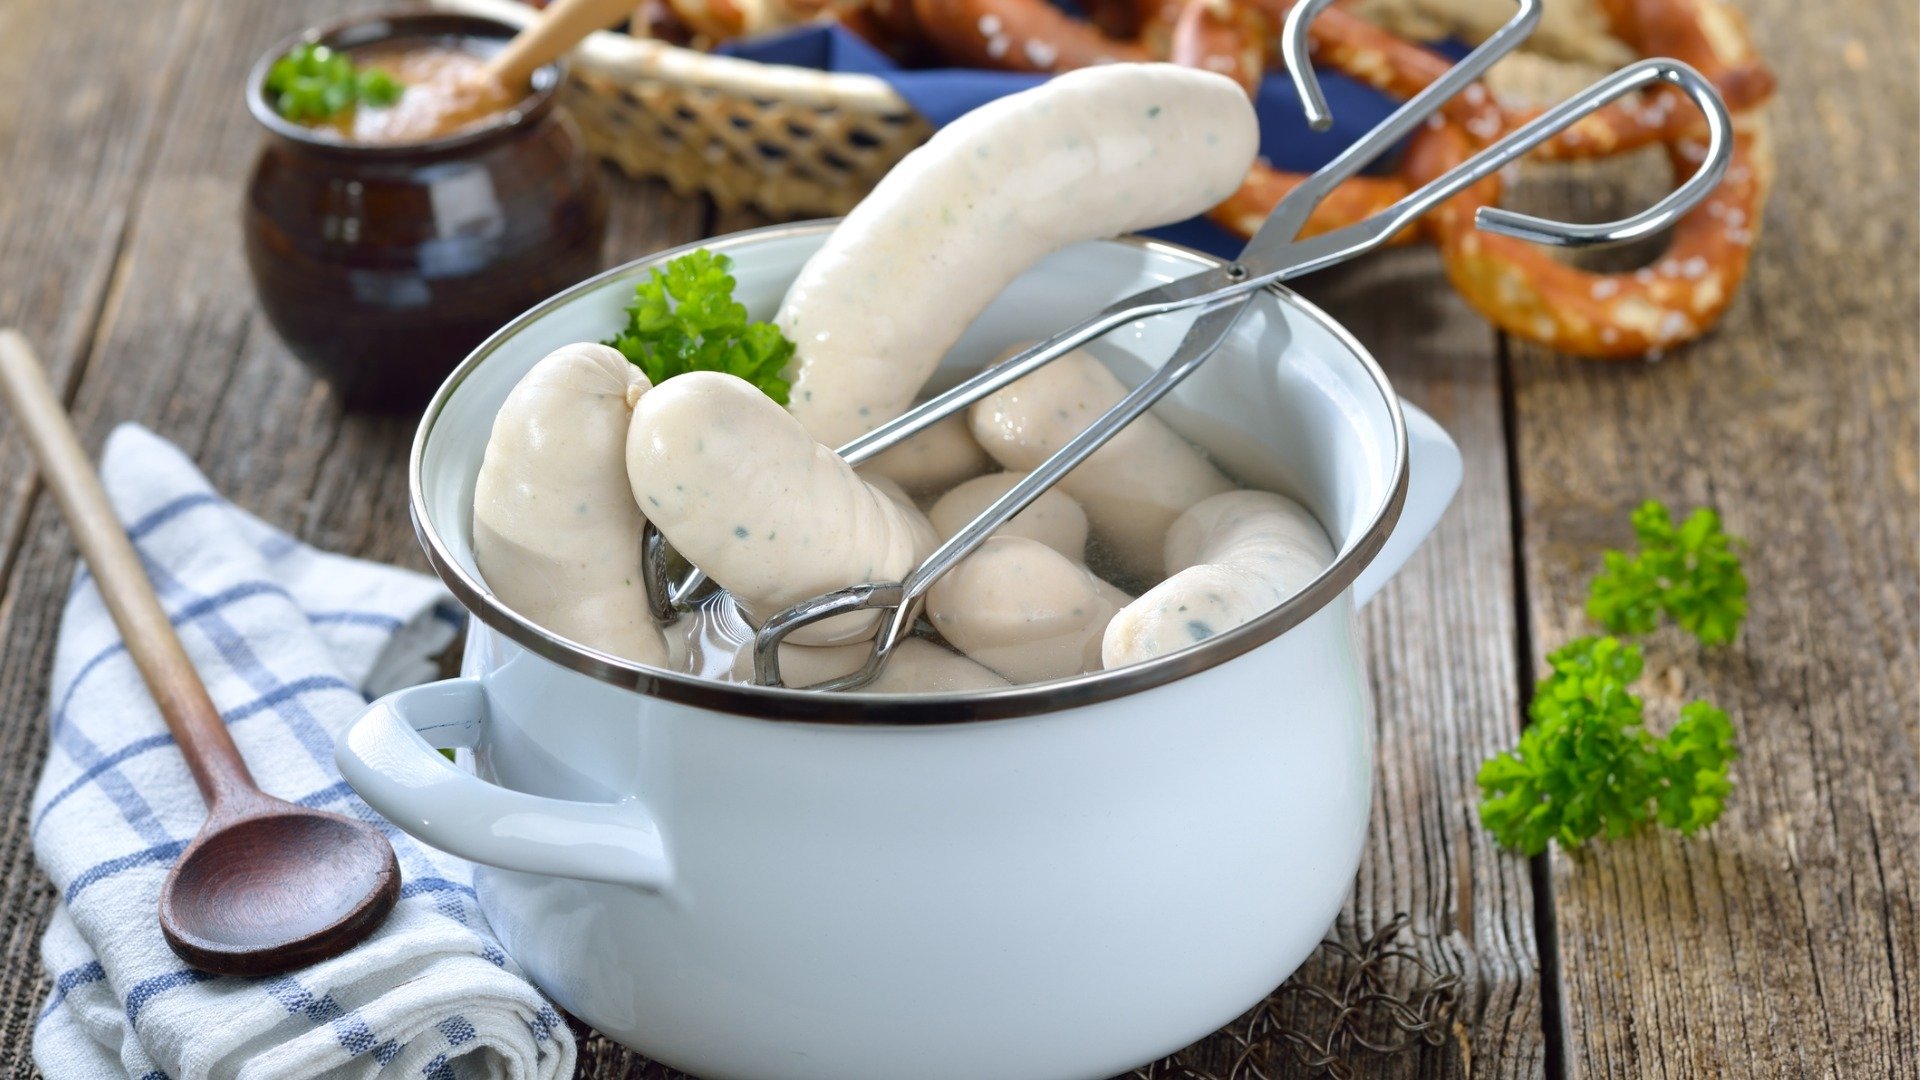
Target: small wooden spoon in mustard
[{"x": 558, "y": 28}]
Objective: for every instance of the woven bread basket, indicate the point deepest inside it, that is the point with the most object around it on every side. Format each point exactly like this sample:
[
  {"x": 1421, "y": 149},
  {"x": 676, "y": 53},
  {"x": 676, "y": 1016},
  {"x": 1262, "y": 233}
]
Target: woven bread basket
[{"x": 788, "y": 141}]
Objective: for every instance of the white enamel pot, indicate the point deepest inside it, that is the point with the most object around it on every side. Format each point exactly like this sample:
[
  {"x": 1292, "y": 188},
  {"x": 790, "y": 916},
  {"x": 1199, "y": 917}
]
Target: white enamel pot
[{"x": 1052, "y": 881}]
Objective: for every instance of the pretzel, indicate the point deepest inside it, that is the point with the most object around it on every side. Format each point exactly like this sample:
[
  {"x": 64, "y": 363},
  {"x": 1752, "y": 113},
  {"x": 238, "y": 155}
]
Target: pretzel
[
  {"x": 1514, "y": 284},
  {"x": 1155, "y": 29},
  {"x": 1568, "y": 30},
  {"x": 1399, "y": 68},
  {"x": 1707, "y": 34},
  {"x": 1394, "y": 66},
  {"x": 1125, "y": 19},
  {"x": 1527, "y": 292},
  {"x": 657, "y": 20},
  {"x": 1229, "y": 37},
  {"x": 711, "y": 22},
  {"x": 1018, "y": 35},
  {"x": 891, "y": 27},
  {"x": 1247, "y": 209},
  {"x": 1522, "y": 289}
]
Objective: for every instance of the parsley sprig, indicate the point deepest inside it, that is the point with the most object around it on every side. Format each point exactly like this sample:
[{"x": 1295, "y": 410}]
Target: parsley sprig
[
  {"x": 1690, "y": 572},
  {"x": 313, "y": 82},
  {"x": 684, "y": 318},
  {"x": 1587, "y": 766}
]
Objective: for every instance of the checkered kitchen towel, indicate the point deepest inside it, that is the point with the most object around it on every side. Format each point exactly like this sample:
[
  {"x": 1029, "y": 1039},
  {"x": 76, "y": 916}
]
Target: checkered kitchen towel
[{"x": 291, "y": 643}]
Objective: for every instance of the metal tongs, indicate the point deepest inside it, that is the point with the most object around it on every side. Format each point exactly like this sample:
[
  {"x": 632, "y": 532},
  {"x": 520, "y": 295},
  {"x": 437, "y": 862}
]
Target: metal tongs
[{"x": 1222, "y": 294}]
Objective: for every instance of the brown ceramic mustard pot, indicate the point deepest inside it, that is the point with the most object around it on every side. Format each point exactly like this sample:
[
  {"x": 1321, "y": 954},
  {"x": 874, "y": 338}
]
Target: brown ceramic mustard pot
[{"x": 384, "y": 249}]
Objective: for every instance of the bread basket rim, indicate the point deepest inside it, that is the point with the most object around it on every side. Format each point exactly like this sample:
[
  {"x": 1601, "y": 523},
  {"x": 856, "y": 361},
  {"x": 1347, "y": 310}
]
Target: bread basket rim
[{"x": 619, "y": 56}]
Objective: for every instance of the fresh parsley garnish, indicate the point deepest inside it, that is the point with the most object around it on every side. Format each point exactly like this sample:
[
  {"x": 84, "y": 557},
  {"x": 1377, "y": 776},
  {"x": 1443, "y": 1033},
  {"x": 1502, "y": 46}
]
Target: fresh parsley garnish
[
  {"x": 684, "y": 318},
  {"x": 1690, "y": 572},
  {"x": 313, "y": 82},
  {"x": 1586, "y": 765},
  {"x": 377, "y": 87}
]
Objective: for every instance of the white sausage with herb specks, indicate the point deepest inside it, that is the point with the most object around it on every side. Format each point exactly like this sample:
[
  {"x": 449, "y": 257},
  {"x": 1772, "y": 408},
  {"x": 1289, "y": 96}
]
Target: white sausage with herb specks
[
  {"x": 738, "y": 487},
  {"x": 1054, "y": 518},
  {"x": 933, "y": 460},
  {"x": 1132, "y": 488},
  {"x": 1088, "y": 154},
  {"x": 1024, "y": 610},
  {"x": 556, "y": 533},
  {"x": 1231, "y": 559}
]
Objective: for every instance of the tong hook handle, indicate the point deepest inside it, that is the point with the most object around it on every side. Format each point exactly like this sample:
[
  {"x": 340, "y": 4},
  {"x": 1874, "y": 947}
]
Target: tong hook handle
[
  {"x": 1295, "y": 48},
  {"x": 885, "y": 596},
  {"x": 1634, "y": 77},
  {"x": 1286, "y": 220},
  {"x": 1340, "y": 245},
  {"x": 1637, "y": 76}
]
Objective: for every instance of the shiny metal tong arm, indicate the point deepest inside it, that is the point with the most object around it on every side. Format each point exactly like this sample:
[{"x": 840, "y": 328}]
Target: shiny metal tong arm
[{"x": 1223, "y": 293}]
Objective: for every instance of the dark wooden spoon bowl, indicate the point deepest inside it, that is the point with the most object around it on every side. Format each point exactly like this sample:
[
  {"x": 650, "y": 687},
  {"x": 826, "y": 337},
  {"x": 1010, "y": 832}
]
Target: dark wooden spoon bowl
[
  {"x": 266, "y": 886},
  {"x": 238, "y": 904}
]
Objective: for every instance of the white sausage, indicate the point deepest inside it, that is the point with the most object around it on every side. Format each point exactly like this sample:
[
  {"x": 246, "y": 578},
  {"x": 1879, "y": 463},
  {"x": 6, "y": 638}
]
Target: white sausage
[
  {"x": 1132, "y": 488},
  {"x": 932, "y": 461},
  {"x": 1054, "y": 518},
  {"x": 1024, "y": 610},
  {"x": 1088, "y": 154},
  {"x": 891, "y": 489},
  {"x": 556, "y": 533},
  {"x": 1232, "y": 558},
  {"x": 738, "y": 487}
]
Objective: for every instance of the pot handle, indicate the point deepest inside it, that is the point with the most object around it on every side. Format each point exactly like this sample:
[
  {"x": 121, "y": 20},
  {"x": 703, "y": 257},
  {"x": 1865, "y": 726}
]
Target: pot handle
[
  {"x": 390, "y": 756},
  {"x": 1434, "y": 470}
]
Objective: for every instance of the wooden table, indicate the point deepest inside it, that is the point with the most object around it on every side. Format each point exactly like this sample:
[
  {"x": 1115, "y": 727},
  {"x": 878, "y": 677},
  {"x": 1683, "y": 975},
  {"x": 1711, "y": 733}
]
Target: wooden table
[{"x": 1783, "y": 943}]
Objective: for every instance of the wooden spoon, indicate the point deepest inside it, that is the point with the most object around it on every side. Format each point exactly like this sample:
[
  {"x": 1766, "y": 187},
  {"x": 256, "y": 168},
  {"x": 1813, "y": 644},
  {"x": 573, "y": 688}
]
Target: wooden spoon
[
  {"x": 558, "y": 28},
  {"x": 266, "y": 886}
]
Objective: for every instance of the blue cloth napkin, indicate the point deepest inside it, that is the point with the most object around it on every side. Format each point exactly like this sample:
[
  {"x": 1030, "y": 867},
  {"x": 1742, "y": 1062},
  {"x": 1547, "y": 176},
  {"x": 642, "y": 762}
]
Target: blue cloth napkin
[
  {"x": 292, "y": 643},
  {"x": 942, "y": 94}
]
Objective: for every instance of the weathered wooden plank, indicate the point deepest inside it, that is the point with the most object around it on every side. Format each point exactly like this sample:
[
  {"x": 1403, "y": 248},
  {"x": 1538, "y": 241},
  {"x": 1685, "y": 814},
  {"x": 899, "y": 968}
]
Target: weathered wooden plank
[
  {"x": 1784, "y": 942},
  {"x": 180, "y": 346},
  {"x": 74, "y": 149},
  {"x": 1440, "y": 644},
  {"x": 160, "y": 348}
]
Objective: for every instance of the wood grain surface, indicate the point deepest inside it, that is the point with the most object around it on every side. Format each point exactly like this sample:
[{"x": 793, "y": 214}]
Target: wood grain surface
[
  {"x": 74, "y": 160},
  {"x": 1781, "y": 943}
]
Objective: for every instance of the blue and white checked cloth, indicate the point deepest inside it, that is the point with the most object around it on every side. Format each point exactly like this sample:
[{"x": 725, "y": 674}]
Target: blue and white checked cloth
[{"x": 291, "y": 643}]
